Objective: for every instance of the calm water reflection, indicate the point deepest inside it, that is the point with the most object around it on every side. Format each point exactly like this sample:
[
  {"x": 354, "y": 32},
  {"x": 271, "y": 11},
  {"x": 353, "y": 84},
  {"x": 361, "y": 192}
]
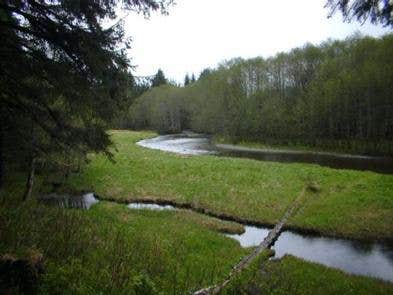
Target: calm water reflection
[
  {"x": 150, "y": 206},
  {"x": 197, "y": 144},
  {"x": 369, "y": 259},
  {"x": 375, "y": 260}
]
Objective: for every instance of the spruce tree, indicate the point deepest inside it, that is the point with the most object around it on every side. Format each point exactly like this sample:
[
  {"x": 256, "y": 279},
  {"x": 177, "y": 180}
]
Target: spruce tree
[
  {"x": 186, "y": 80},
  {"x": 61, "y": 74},
  {"x": 377, "y": 11},
  {"x": 159, "y": 79}
]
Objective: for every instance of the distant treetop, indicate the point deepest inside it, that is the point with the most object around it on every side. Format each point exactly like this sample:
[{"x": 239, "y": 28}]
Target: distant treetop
[
  {"x": 206, "y": 72},
  {"x": 186, "y": 80},
  {"x": 159, "y": 79}
]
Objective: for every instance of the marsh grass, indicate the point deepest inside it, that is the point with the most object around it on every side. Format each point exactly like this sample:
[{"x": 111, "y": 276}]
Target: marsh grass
[
  {"x": 111, "y": 249},
  {"x": 290, "y": 275},
  {"x": 347, "y": 203}
]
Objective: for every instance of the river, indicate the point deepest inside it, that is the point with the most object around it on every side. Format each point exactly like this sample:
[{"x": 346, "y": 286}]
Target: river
[
  {"x": 198, "y": 144},
  {"x": 354, "y": 257}
]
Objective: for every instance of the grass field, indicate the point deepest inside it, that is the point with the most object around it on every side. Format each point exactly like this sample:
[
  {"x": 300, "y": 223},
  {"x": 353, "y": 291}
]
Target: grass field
[
  {"x": 111, "y": 249},
  {"x": 350, "y": 203}
]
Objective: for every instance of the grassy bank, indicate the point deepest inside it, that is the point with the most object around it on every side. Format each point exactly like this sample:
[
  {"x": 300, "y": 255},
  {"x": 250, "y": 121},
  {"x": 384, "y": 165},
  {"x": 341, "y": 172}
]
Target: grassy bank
[
  {"x": 291, "y": 275},
  {"x": 111, "y": 249},
  {"x": 114, "y": 250},
  {"x": 350, "y": 203}
]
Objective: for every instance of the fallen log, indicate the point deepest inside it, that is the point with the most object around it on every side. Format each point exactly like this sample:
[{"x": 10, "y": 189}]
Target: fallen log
[{"x": 265, "y": 244}]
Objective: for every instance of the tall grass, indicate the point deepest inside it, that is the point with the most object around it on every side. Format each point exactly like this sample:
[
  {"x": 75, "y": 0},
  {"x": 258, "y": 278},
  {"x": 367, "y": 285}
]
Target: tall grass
[{"x": 115, "y": 250}]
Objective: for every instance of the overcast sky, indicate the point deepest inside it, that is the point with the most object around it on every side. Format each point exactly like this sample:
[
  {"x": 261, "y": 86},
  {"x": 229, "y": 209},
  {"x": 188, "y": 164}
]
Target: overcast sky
[{"x": 201, "y": 33}]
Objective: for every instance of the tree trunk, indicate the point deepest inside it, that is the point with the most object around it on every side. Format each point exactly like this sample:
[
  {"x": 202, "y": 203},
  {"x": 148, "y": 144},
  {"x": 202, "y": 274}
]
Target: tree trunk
[
  {"x": 1, "y": 159},
  {"x": 30, "y": 180}
]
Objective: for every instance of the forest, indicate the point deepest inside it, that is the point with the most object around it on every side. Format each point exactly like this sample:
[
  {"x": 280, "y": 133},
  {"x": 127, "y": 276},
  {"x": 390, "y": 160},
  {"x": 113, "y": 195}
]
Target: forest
[{"x": 335, "y": 95}]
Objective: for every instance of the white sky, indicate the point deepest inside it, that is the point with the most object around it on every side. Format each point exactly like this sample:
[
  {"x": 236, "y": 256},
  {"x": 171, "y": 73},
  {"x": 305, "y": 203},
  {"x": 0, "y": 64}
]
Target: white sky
[{"x": 201, "y": 33}]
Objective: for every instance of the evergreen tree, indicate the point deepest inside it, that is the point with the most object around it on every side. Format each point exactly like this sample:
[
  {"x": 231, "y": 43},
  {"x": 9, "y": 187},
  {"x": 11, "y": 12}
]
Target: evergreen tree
[
  {"x": 61, "y": 75},
  {"x": 377, "y": 11},
  {"x": 186, "y": 80},
  {"x": 204, "y": 73},
  {"x": 193, "y": 78},
  {"x": 159, "y": 79}
]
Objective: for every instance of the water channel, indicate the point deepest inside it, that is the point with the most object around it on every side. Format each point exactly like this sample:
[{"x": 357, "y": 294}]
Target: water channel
[{"x": 355, "y": 257}]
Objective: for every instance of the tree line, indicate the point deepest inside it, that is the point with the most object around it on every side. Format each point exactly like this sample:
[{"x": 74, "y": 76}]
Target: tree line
[{"x": 336, "y": 95}]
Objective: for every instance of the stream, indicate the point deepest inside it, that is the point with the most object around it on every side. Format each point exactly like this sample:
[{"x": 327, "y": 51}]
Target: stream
[
  {"x": 354, "y": 257},
  {"x": 370, "y": 259}
]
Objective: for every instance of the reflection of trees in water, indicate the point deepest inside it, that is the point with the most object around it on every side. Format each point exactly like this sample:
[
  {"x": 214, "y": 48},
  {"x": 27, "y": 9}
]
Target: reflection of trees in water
[
  {"x": 340, "y": 162},
  {"x": 362, "y": 247},
  {"x": 65, "y": 201},
  {"x": 387, "y": 251}
]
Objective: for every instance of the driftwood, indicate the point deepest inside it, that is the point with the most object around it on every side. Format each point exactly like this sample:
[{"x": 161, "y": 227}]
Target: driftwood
[{"x": 266, "y": 243}]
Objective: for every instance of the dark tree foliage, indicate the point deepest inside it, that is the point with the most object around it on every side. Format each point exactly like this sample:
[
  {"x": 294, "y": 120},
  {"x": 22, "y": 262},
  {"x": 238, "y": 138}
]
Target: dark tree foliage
[
  {"x": 159, "y": 79},
  {"x": 192, "y": 80},
  {"x": 61, "y": 73},
  {"x": 186, "y": 80},
  {"x": 377, "y": 11},
  {"x": 205, "y": 73}
]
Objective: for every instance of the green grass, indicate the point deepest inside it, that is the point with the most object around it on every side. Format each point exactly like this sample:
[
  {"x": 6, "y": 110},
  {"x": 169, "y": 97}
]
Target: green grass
[
  {"x": 111, "y": 249},
  {"x": 351, "y": 203},
  {"x": 291, "y": 275}
]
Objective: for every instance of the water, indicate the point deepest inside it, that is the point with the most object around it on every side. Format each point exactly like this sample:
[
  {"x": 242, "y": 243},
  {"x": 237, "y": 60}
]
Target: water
[
  {"x": 332, "y": 160},
  {"x": 67, "y": 201},
  {"x": 374, "y": 260},
  {"x": 150, "y": 206},
  {"x": 197, "y": 144},
  {"x": 186, "y": 144},
  {"x": 252, "y": 236},
  {"x": 368, "y": 259},
  {"x": 361, "y": 258}
]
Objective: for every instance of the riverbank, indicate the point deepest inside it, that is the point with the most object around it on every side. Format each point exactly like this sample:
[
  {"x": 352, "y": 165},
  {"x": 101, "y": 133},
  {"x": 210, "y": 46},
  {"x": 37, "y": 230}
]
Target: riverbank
[
  {"x": 113, "y": 249},
  {"x": 349, "y": 203},
  {"x": 283, "y": 276},
  {"x": 353, "y": 148}
]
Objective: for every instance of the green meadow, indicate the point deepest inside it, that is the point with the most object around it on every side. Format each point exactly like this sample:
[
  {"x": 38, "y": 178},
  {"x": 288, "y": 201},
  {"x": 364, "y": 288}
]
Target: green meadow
[{"x": 111, "y": 249}]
